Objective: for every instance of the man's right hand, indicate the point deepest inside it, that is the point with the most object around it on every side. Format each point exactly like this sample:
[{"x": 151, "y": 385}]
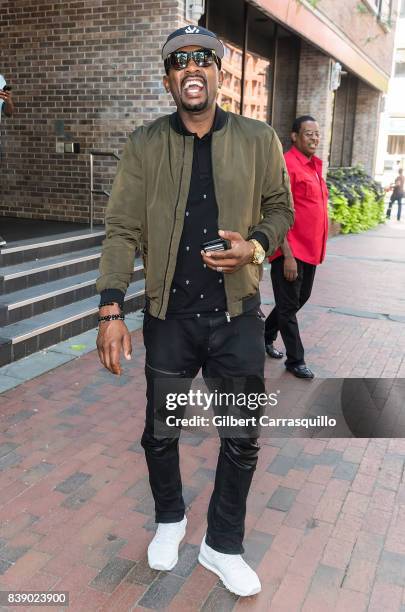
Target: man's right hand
[
  {"x": 113, "y": 337},
  {"x": 290, "y": 269}
]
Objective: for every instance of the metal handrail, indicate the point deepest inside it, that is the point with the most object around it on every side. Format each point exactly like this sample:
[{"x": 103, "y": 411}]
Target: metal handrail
[{"x": 97, "y": 191}]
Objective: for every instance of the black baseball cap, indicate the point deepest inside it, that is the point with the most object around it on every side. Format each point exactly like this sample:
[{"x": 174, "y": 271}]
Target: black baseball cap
[{"x": 192, "y": 35}]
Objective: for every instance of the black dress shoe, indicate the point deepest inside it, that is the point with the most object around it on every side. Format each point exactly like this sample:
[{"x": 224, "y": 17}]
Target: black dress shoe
[
  {"x": 273, "y": 352},
  {"x": 300, "y": 371}
]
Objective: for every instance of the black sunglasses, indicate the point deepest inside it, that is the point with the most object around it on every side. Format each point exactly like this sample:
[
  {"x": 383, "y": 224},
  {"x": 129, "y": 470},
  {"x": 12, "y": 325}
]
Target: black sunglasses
[{"x": 202, "y": 57}]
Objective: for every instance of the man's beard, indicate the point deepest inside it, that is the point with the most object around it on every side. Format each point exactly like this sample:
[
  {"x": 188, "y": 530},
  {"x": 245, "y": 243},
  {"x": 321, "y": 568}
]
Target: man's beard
[{"x": 195, "y": 108}]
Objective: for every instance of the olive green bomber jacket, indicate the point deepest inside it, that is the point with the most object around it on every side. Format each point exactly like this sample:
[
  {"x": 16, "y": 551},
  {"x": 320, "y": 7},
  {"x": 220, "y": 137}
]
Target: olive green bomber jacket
[{"x": 149, "y": 196}]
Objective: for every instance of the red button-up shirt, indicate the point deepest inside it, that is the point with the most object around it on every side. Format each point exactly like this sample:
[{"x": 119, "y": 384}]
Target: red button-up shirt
[{"x": 307, "y": 238}]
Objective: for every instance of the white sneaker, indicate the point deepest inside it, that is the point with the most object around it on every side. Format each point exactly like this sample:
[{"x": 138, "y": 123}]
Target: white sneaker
[
  {"x": 163, "y": 551},
  {"x": 234, "y": 572}
]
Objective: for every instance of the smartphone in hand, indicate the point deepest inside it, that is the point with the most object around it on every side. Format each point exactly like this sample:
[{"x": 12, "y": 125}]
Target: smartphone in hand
[{"x": 219, "y": 244}]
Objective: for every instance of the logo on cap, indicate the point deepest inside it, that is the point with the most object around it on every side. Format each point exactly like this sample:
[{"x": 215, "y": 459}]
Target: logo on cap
[{"x": 191, "y": 30}]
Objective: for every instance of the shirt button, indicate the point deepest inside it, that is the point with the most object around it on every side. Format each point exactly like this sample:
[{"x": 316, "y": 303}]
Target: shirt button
[
  {"x": 174, "y": 290},
  {"x": 201, "y": 296},
  {"x": 205, "y": 196},
  {"x": 205, "y": 231},
  {"x": 187, "y": 213},
  {"x": 187, "y": 248},
  {"x": 216, "y": 309},
  {"x": 198, "y": 315},
  {"x": 205, "y": 265},
  {"x": 220, "y": 280},
  {"x": 187, "y": 282}
]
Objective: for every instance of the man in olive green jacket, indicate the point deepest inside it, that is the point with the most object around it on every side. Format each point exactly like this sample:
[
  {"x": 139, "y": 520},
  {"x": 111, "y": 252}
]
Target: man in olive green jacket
[{"x": 184, "y": 180}]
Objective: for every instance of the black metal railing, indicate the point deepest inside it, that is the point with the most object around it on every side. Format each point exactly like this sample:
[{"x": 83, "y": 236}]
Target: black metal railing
[{"x": 93, "y": 191}]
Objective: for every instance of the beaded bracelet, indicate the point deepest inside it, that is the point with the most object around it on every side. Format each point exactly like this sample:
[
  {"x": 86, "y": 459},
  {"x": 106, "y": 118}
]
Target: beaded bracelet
[
  {"x": 110, "y": 304},
  {"x": 112, "y": 317}
]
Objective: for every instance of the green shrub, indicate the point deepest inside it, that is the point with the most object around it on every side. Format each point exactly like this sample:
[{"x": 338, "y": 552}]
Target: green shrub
[{"x": 356, "y": 201}]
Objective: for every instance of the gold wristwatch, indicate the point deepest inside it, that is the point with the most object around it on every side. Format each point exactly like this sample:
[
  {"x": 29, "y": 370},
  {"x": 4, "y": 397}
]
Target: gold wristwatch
[{"x": 258, "y": 253}]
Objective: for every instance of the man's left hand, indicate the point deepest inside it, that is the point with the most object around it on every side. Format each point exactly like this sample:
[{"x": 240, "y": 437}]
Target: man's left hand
[
  {"x": 231, "y": 260},
  {"x": 7, "y": 98},
  {"x": 5, "y": 95}
]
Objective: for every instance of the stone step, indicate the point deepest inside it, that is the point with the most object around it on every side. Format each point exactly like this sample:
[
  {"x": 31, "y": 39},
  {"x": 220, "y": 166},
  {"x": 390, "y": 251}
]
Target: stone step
[
  {"x": 30, "y": 335},
  {"x": 30, "y": 273},
  {"x": 41, "y": 248},
  {"x": 35, "y": 300}
]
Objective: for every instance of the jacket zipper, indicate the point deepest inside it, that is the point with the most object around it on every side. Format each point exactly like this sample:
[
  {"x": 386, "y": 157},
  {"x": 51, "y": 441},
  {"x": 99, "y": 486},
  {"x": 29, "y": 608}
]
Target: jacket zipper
[
  {"x": 227, "y": 315},
  {"x": 174, "y": 225}
]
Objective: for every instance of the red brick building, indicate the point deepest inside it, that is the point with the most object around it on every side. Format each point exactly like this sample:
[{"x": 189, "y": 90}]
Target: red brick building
[{"x": 89, "y": 71}]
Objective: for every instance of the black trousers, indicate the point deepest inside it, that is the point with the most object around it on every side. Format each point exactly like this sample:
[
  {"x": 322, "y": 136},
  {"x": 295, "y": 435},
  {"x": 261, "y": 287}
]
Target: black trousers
[
  {"x": 395, "y": 198},
  {"x": 177, "y": 349},
  {"x": 289, "y": 297}
]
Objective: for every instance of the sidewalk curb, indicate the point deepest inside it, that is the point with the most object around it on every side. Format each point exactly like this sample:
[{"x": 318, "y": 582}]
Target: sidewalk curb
[{"x": 14, "y": 374}]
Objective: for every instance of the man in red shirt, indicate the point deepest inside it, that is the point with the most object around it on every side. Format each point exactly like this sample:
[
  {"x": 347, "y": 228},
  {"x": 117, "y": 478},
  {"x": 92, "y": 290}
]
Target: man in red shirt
[{"x": 293, "y": 265}]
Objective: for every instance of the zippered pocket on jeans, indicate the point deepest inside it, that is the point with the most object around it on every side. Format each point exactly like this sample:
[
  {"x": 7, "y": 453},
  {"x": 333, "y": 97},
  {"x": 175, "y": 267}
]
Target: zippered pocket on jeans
[{"x": 166, "y": 372}]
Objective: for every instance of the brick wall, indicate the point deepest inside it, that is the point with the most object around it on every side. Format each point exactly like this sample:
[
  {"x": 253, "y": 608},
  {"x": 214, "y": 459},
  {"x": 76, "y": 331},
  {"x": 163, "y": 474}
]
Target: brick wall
[
  {"x": 285, "y": 94},
  {"x": 94, "y": 65},
  {"x": 366, "y": 126},
  {"x": 352, "y": 20},
  {"x": 343, "y": 121},
  {"x": 360, "y": 25},
  {"x": 314, "y": 96}
]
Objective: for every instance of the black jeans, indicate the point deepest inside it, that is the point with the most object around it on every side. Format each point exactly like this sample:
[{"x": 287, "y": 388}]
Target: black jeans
[
  {"x": 289, "y": 297},
  {"x": 178, "y": 348},
  {"x": 395, "y": 198}
]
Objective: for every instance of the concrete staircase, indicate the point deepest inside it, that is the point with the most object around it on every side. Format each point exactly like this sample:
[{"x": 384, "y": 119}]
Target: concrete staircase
[{"x": 48, "y": 291}]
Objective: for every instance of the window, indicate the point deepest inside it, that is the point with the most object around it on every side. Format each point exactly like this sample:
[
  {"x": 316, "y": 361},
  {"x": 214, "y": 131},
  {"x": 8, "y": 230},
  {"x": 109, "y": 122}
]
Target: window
[
  {"x": 230, "y": 94},
  {"x": 400, "y": 63},
  {"x": 248, "y": 56},
  {"x": 344, "y": 115},
  {"x": 372, "y": 4},
  {"x": 402, "y": 9},
  {"x": 400, "y": 69},
  {"x": 258, "y": 65},
  {"x": 255, "y": 102},
  {"x": 396, "y": 145},
  {"x": 382, "y": 8}
]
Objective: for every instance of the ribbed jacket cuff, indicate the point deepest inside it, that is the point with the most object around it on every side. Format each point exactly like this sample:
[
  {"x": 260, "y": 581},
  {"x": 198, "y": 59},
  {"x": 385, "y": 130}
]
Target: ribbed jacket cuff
[{"x": 112, "y": 295}]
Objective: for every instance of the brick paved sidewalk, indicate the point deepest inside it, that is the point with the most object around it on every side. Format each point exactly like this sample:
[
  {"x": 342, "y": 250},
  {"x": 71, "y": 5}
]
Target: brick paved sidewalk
[{"x": 326, "y": 518}]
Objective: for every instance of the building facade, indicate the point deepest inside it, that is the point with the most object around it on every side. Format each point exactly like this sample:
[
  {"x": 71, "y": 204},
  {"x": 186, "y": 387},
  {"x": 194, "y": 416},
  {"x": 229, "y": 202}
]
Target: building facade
[
  {"x": 90, "y": 71},
  {"x": 391, "y": 150}
]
